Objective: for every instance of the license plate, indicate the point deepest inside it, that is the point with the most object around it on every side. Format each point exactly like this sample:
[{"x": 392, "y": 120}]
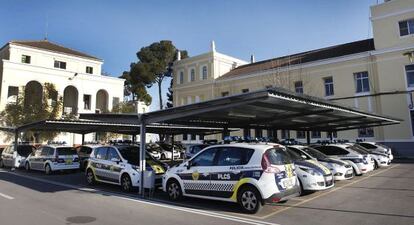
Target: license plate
[
  {"x": 328, "y": 178},
  {"x": 287, "y": 183},
  {"x": 349, "y": 171},
  {"x": 68, "y": 161}
]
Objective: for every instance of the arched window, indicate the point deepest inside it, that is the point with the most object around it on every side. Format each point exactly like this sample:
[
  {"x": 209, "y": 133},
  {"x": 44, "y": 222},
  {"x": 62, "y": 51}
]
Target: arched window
[
  {"x": 181, "y": 78},
  {"x": 204, "y": 73}
]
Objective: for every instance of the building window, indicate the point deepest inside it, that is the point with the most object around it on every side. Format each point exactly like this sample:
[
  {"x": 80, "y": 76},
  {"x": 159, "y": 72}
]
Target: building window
[
  {"x": 285, "y": 134},
  {"x": 406, "y": 27},
  {"x": 224, "y": 94},
  {"x": 181, "y": 78},
  {"x": 245, "y": 90},
  {"x": 60, "y": 64},
  {"x": 26, "y": 59},
  {"x": 268, "y": 86},
  {"x": 329, "y": 86},
  {"x": 115, "y": 101},
  {"x": 300, "y": 134},
  {"x": 192, "y": 75},
  {"x": 12, "y": 94},
  {"x": 316, "y": 134},
  {"x": 361, "y": 82},
  {"x": 185, "y": 137},
  {"x": 87, "y": 102},
  {"x": 409, "y": 70},
  {"x": 89, "y": 69},
  {"x": 366, "y": 132},
  {"x": 204, "y": 73},
  {"x": 299, "y": 87},
  {"x": 193, "y": 137}
]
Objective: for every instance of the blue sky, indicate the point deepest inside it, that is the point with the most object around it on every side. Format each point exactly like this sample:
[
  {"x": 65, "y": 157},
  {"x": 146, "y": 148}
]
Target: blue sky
[{"x": 116, "y": 30}]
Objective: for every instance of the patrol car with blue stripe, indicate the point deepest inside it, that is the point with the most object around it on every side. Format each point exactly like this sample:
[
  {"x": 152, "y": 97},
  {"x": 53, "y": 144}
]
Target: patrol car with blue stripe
[
  {"x": 248, "y": 174},
  {"x": 312, "y": 175}
]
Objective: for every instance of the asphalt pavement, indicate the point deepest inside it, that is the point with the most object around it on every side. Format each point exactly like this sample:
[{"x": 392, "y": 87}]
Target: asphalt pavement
[{"x": 384, "y": 196}]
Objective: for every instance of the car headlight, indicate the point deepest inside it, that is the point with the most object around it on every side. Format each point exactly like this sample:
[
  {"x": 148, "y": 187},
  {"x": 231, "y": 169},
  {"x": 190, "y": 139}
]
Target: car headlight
[{"x": 310, "y": 171}]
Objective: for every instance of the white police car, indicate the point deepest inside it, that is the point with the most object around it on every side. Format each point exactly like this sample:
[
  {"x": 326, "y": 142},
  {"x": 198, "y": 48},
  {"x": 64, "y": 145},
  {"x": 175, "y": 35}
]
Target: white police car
[
  {"x": 51, "y": 158},
  {"x": 361, "y": 163},
  {"x": 377, "y": 147},
  {"x": 119, "y": 164},
  {"x": 340, "y": 169},
  {"x": 312, "y": 175},
  {"x": 249, "y": 174},
  {"x": 12, "y": 158}
]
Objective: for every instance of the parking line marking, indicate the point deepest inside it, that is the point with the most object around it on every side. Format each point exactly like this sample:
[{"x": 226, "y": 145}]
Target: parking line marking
[
  {"x": 6, "y": 196},
  {"x": 323, "y": 194},
  {"x": 152, "y": 202}
]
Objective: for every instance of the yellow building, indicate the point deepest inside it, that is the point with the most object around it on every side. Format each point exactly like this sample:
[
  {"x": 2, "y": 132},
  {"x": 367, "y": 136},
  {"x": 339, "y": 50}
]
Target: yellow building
[{"x": 376, "y": 75}]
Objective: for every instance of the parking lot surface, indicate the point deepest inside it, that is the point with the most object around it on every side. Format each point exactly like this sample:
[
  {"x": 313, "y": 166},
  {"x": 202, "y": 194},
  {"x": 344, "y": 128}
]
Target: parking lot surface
[{"x": 384, "y": 196}]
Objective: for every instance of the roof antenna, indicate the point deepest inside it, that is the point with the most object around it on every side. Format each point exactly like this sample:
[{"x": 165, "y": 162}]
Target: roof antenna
[{"x": 47, "y": 26}]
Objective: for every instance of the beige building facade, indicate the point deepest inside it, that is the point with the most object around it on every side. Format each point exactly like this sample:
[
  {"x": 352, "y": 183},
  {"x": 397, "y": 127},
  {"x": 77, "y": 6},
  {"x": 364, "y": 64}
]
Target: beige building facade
[{"x": 376, "y": 75}]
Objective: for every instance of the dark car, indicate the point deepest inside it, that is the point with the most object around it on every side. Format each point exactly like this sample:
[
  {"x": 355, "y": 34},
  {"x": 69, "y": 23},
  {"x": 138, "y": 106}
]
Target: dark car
[{"x": 84, "y": 152}]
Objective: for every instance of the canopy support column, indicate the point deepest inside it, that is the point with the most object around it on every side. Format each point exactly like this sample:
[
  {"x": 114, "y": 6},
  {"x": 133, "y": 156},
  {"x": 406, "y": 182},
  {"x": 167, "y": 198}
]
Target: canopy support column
[
  {"x": 172, "y": 149},
  {"x": 308, "y": 137},
  {"x": 83, "y": 138},
  {"x": 142, "y": 163},
  {"x": 225, "y": 132},
  {"x": 16, "y": 144},
  {"x": 331, "y": 136}
]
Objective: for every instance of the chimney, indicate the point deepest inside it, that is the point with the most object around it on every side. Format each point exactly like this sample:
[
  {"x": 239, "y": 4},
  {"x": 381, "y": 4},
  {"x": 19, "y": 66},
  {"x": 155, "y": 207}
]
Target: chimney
[
  {"x": 213, "y": 46},
  {"x": 252, "y": 59},
  {"x": 178, "y": 55}
]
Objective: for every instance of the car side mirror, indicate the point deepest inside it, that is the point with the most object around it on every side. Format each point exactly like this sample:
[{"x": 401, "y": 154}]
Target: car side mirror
[{"x": 189, "y": 164}]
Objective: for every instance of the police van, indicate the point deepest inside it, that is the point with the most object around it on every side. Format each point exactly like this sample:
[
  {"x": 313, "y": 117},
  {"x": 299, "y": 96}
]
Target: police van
[
  {"x": 119, "y": 164},
  {"x": 51, "y": 158},
  {"x": 247, "y": 174}
]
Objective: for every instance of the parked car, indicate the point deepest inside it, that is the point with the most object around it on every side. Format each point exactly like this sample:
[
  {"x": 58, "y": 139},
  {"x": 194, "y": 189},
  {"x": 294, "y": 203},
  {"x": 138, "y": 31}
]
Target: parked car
[
  {"x": 361, "y": 163},
  {"x": 154, "y": 150},
  {"x": 84, "y": 152},
  {"x": 377, "y": 147},
  {"x": 50, "y": 158},
  {"x": 119, "y": 165},
  {"x": 340, "y": 169},
  {"x": 178, "y": 148},
  {"x": 12, "y": 158},
  {"x": 247, "y": 174},
  {"x": 193, "y": 149},
  {"x": 380, "y": 159},
  {"x": 165, "y": 153},
  {"x": 312, "y": 175}
]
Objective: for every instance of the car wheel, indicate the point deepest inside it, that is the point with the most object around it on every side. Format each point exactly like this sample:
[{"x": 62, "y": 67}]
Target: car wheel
[
  {"x": 90, "y": 177},
  {"x": 126, "y": 183},
  {"x": 174, "y": 190},
  {"x": 27, "y": 166},
  {"x": 48, "y": 170},
  {"x": 85, "y": 164},
  {"x": 375, "y": 165},
  {"x": 250, "y": 200},
  {"x": 1, "y": 164},
  {"x": 301, "y": 191}
]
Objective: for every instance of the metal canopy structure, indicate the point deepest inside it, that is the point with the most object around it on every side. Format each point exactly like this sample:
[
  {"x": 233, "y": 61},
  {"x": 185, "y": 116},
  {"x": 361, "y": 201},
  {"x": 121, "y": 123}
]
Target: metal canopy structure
[
  {"x": 270, "y": 109},
  {"x": 83, "y": 126}
]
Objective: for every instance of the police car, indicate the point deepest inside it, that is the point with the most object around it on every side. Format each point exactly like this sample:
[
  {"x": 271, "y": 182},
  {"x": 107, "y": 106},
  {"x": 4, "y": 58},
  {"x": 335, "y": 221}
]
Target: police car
[
  {"x": 84, "y": 152},
  {"x": 361, "y": 163},
  {"x": 51, "y": 158},
  {"x": 380, "y": 159},
  {"x": 248, "y": 174},
  {"x": 312, "y": 175},
  {"x": 340, "y": 169},
  {"x": 119, "y": 164},
  {"x": 377, "y": 147},
  {"x": 12, "y": 158}
]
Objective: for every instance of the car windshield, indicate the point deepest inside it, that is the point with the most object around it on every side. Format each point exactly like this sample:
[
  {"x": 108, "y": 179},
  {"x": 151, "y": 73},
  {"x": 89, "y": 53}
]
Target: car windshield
[
  {"x": 25, "y": 150},
  {"x": 154, "y": 147},
  {"x": 358, "y": 149},
  {"x": 278, "y": 156},
  {"x": 66, "y": 151},
  {"x": 295, "y": 156},
  {"x": 315, "y": 153},
  {"x": 131, "y": 153}
]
